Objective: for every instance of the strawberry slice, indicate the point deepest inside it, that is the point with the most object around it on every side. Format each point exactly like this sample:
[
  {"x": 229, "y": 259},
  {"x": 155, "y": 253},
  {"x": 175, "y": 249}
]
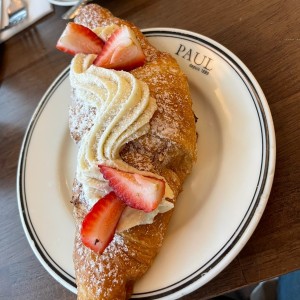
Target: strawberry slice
[
  {"x": 79, "y": 39},
  {"x": 137, "y": 191},
  {"x": 99, "y": 225},
  {"x": 121, "y": 51}
]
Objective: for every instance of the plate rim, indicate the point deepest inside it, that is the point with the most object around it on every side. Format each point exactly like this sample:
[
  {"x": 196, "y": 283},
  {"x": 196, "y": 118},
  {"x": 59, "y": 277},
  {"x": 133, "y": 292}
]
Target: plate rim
[
  {"x": 32, "y": 238},
  {"x": 63, "y": 3},
  {"x": 257, "y": 211}
]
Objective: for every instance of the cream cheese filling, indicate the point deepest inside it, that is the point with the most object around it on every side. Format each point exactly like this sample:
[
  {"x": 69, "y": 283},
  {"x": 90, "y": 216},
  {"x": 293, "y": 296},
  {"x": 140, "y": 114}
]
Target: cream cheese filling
[{"x": 124, "y": 108}]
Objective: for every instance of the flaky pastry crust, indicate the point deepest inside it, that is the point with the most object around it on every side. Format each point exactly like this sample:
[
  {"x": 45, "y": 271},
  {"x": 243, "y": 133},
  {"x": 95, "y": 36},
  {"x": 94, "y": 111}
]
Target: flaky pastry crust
[{"x": 168, "y": 149}]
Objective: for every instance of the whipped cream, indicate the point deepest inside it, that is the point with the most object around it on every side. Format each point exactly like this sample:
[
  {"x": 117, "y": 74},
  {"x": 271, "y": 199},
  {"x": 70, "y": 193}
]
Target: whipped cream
[
  {"x": 124, "y": 108},
  {"x": 105, "y": 32}
]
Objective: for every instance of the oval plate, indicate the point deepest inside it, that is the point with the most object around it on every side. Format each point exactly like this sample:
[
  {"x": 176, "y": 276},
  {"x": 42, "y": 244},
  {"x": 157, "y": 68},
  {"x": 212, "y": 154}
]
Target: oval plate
[{"x": 222, "y": 201}]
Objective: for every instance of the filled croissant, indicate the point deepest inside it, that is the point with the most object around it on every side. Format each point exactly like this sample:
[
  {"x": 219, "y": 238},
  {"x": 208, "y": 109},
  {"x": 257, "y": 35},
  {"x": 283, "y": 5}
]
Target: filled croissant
[{"x": 131, "y": 115}]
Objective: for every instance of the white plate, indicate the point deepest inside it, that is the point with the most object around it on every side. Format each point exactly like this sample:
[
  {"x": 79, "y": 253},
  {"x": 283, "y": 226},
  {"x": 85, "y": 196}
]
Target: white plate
[
  {"x": 222, "y": 201},
  {"x": 63, "y": 2}
]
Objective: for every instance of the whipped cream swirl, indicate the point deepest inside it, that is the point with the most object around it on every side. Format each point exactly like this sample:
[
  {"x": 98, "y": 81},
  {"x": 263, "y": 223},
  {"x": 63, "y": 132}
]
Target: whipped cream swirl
[{"x": 123, "y": 112}]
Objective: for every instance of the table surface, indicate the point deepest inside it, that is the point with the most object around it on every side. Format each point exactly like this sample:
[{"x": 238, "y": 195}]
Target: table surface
[{"x": 265, "y": 35}]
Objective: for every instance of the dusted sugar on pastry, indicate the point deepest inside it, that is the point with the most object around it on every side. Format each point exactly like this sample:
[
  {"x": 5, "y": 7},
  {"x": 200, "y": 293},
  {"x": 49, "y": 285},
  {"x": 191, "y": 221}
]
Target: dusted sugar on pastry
[{"x": 131, "y": 115}]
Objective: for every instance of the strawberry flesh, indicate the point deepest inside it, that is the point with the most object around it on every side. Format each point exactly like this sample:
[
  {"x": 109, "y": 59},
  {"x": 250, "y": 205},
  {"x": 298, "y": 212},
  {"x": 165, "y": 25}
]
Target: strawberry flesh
[
  {"x": 77, "y": 38},
  {"x": 99, "y": 225},
  {"x": 121, "y": 51},
  {"x": 137, "y": 191}
]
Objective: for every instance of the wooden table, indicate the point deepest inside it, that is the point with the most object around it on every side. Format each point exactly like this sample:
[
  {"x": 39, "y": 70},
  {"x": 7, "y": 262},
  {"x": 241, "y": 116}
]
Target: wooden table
[{"x": 265, "y": 35}]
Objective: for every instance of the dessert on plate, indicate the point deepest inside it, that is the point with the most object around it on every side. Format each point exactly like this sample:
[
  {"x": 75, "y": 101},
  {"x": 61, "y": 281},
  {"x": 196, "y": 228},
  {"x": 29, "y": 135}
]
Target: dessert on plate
[{"x": 131, "y": 115}]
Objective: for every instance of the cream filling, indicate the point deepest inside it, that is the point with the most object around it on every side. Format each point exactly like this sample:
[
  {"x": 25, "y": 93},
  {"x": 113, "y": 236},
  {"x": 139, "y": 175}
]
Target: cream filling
[{"x": 124, "y": 109}]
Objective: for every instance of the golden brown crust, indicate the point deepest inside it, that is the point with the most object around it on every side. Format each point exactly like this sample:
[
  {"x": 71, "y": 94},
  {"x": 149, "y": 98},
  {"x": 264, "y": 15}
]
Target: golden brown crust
[{"x": 168, "y": 149}]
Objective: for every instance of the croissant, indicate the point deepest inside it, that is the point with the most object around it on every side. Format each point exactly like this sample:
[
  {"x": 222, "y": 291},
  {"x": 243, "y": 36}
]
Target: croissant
[{"x": 165, "y": 146}]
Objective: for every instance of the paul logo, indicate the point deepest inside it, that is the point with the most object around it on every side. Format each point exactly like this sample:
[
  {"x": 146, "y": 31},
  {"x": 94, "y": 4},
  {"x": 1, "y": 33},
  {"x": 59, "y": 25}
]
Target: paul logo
[{"x": 198, "y": 61}]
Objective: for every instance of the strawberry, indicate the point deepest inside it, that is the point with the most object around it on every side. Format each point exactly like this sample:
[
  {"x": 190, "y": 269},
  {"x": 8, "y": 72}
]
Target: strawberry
[
  {"x": 137, "y": 191},
  {"x": 121, "y": 51},
  {"x": 79, "y": 39},
  {"x": 99, "y": 225}
]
